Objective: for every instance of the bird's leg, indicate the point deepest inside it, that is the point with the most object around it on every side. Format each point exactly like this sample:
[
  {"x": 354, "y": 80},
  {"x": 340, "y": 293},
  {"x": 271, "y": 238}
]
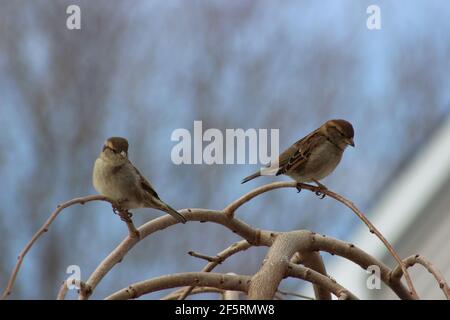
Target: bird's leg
[
  {"x": 298, "y": 187},
  {"x": 118, "y": 209},
  {"x": 118, "y": 205},
  {"x": 125, "y": 215},
  {"x": 321, "y": 186}
]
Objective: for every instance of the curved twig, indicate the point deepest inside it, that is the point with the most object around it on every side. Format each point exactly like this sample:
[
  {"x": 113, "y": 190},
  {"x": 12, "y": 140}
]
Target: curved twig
[
  {"x": 221, "y": 256},
  {"x": 294, "y": 294},
  {"x": 226, "y": 218},
  {"x": 217, "y": 280},
  {"x": 230, "y": 209},
  {"x": 42, "y": 230},
  {"x": 313, "y": 260},
  {"x": 62, "y": 291},
  {"x": 197, "y": 290},
  {"x": 397, "y": 273},
  {"x": 352, "y": 253},
  {"x": 301, "y": 272},
  {"x": 254, "y": 236}
]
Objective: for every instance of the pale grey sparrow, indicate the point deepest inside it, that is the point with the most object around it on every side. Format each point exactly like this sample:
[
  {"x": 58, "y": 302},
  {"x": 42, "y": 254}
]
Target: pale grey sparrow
[{"x": 115, "y": 177}]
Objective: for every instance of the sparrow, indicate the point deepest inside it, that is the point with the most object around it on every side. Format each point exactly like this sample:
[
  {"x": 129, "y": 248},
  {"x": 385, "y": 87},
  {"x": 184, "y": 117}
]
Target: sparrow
[
  {"x": 315, "y": 156},
  {"x": 115, "y": 177}
]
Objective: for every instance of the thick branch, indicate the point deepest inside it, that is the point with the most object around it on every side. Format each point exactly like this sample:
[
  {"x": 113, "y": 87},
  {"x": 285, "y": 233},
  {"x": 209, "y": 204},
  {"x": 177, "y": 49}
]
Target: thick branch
[
  {"x": 266, "y": 281},
  {"x": 254, "y": 236},
  {"x": 318, "y": 242},
  {"x": 371, "y": 227},
  {"x": 230, "y": 209},
  {"x": 230, "y": 295},
  {"x": 306, "y": 241},
  {"x": 216, "y": 280},
  {"x": 358, "y": 256}
]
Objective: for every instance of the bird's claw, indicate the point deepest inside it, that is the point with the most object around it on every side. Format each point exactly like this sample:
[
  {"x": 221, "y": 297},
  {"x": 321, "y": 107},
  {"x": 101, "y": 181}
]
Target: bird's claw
[
  {"x": 299, "y": 188},
  {"x": 117, "y": 209},
  {"x": 321, "y": 195},
  {"x": 124, "y": 214},
  {"x": 117, "y": 206},
  {"x": 126, "y": 217}
]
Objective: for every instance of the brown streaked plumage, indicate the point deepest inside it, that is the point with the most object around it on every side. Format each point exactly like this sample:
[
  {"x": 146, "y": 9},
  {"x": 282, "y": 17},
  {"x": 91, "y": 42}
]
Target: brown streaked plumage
[{"x": 315, "y": 156}]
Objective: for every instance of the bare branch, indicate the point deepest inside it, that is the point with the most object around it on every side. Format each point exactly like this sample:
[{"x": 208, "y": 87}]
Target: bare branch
[
  {"x": 42, "y": 230},
  {"x": 62, "y": 291},
  {"x": 230, "y": 209},
  {"x": 253, "y": 236},
  {"x": 125, "y": 216},
  {"x": 197, "y": 290},
  {"x": 259, "y": 237},
  {"x": 266, "y": 281},
  {"x": 304, "y": 243},
  {"x": 294, "y": 294},
  {"x": 364, "y": 260},
  {"x": 313, "y": 260},
  {"x": 217, "y": 280},
  {"x": 65, "y": 287},
  {"x": 234, "y": 248},
  {"x": 371, "y": 227},
  {"x": 230, "y": 295},
  {"x": 315, "y": 277},
  {"x": 397, "y": 273},
  {"x": 204, "y": 257}
]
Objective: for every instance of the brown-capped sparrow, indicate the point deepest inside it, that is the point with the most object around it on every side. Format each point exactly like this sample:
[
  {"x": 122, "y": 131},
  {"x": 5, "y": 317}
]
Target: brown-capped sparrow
[{"x": 315, "y": 156}]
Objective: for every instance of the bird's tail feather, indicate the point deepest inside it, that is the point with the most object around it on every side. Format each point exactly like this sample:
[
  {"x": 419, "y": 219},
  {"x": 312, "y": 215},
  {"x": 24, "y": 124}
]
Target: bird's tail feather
[
  {"x": 174, "y": 213},
  {"x": 251, "y": 177}
]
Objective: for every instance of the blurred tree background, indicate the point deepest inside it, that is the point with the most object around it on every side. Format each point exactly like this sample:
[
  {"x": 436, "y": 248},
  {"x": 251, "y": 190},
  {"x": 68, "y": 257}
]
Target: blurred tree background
[{"x": 142, "y": 69}]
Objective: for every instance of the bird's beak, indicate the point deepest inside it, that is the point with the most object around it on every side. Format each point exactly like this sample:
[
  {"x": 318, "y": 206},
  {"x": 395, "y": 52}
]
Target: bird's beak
[
  {"x": 350, "y": 142},
  {"x": 108, "y": 145}
]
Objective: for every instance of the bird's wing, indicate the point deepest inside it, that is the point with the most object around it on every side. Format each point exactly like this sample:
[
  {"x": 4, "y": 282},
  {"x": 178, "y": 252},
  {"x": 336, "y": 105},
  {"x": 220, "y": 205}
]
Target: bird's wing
[
  {"x": 299, "y": 152},
  {"x": 144, "y": 183},
  {"x": 161, "y": 205}
]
